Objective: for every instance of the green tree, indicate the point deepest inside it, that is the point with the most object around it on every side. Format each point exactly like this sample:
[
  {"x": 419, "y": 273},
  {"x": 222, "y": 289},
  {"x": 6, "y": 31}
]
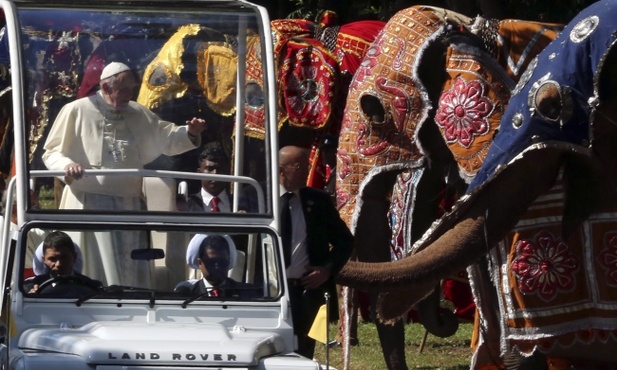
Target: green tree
[{"x": 559, "y": 11}]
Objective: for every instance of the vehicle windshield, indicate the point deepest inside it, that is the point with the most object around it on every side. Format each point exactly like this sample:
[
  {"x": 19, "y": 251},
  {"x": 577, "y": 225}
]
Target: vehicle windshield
[
  {"x": 183, "y": 63},
  {"x": 158, "y": 263}
]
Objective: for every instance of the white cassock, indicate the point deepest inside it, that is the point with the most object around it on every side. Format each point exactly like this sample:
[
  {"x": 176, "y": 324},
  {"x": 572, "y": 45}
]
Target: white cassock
[{"x": 90, "y": 132}]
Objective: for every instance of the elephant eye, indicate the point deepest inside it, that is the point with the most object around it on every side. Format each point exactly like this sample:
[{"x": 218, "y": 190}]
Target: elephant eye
[
  {"x": 372, "y": 108},
  {"x": 254, "y": 95},
  {"x": 550, "y": 101},
  {"x": 158, "y": 77}
]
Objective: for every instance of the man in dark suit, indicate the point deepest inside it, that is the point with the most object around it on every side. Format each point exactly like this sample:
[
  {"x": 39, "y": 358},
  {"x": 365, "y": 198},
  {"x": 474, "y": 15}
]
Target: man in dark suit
[
  {"x": 319, "y": 245},
  {"x": 213, "y": 195},
  {"x": 214, "y": 261},
  {"x": 59, "y": 256}
]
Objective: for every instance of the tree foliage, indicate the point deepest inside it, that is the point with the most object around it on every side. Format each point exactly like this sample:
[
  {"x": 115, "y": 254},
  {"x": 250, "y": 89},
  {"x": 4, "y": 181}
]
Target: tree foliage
[{"x": 558, "y": 11}]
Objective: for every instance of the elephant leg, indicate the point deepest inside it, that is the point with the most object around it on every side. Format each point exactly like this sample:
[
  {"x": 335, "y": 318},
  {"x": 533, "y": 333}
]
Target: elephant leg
[
  {"x": 372, "y": 230},
  {"x": 392, "y": 339},
  {"x": 353, "y": 317},
  {"x": 373, "y": 234}
]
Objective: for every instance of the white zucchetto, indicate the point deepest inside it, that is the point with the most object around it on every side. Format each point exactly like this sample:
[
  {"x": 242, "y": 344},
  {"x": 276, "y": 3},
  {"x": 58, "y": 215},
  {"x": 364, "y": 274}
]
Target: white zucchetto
[{"x": 113, "y": 69}]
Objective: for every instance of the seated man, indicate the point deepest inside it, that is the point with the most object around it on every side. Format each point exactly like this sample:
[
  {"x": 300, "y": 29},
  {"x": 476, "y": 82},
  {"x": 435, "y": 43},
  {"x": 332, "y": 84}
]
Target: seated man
[
  {"x": 214, "y": 255},
  {"x": 59, "y": 256},
  {"x": 213, "y": 195}
]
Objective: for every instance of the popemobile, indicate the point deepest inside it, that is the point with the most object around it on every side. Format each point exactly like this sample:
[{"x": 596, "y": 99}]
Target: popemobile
[{"x": 106, "y": 108}]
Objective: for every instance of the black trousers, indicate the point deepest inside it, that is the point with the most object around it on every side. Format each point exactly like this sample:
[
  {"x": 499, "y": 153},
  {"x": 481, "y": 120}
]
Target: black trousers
[{"x": 304, "y": 307}]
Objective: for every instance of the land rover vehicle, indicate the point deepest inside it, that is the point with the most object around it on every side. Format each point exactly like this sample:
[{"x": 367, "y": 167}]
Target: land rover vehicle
[{"x": 184, "y": 51}]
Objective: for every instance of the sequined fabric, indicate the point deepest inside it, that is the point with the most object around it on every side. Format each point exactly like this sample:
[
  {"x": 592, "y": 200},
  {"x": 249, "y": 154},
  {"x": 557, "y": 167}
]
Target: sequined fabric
[{"x": 215, "y": 70}]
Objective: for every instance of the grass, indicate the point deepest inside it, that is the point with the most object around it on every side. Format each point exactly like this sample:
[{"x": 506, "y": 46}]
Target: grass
[
  {"x": 452, "y": 353},
  {"x": 46, "y": 197}
]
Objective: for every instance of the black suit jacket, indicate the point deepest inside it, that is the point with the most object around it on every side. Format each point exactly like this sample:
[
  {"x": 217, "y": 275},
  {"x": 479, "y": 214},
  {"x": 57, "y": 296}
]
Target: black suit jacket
[
  {"x": 229, "y": 289},
  {"x": 328, "y": 239},
  {"x": 324, "y": 227},
  {"x": 195, "y": 202}
]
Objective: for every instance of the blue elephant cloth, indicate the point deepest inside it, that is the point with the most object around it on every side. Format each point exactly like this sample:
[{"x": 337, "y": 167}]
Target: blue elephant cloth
[
  {"x": 554, "y": 295},
  {"x": 571, "y": 63}
]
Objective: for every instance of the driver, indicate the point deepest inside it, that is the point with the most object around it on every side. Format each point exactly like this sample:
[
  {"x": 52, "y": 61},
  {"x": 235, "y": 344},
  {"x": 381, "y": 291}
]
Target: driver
[
  {"x": 59, "y": 256},
  {"x": 215, "y": 255}
]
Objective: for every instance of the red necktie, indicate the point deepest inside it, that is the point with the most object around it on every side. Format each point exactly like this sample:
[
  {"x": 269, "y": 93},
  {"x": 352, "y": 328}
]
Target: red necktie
[
  {"x": 214, "y": 204},
  {"x": 214, "y": 292}
]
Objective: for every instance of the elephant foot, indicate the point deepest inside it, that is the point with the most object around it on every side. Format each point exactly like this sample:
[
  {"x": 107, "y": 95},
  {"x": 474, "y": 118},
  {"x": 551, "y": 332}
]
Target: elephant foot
[
  {"x": 515, "y": 361},
  {"x": 392, "y": 339}
]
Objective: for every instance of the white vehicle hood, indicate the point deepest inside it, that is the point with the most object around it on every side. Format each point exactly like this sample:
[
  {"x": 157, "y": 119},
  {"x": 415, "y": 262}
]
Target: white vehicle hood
[{"x": 158, "y": 343}]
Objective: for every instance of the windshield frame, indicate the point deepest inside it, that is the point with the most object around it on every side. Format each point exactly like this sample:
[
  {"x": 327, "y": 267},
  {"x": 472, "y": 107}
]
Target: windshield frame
[
  {"x": 20, "y": 117},
  {"x": 19, "y": 187},
  {"x": 133, "y": 293}
]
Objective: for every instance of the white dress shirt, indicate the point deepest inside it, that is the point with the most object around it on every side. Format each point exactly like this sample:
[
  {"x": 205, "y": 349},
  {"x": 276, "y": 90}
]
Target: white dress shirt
[
  {"x": 299, "y": 254},
  {"x": 224, "y": 202}
]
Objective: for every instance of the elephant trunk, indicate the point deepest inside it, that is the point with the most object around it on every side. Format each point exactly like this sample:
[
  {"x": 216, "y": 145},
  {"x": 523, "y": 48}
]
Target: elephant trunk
[
  {"x": 455, "y": 250},
  {"x": 461, "y": 238},
  {"x": 424, "y": 269},
  {"x": 439, "y": 322}
]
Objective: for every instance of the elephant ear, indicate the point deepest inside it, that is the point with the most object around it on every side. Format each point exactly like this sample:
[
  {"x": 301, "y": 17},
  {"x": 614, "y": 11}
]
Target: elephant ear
[
  {"x": 470, "y": 106},
  {"x": 394, "y": 304},
  {"x": 254, "y": 111},
  {"x": 163, "y": 80},
  {"x": 307, "y": 77}
]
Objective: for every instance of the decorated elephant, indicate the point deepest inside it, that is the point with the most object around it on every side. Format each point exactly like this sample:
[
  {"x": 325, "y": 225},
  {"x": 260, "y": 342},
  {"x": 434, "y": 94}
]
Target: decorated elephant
[
  {"x": 536, "y": 227},
  {"x": 421, "y": 114},
  {"x": 193, "y": 75},
  {"x": 314, "y": 62},
  {"x": 315, "y": 65}
]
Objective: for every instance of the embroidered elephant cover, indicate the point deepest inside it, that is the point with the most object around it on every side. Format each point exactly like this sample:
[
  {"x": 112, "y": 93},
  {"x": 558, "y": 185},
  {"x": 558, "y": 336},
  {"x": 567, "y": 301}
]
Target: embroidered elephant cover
[{"x": 553, "y": 294}]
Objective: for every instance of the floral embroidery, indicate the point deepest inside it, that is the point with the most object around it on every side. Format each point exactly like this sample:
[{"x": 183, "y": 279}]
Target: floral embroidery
[
  {"x": 307, "y": 79},
  {"x": 463, "y": 112},
  {"x": 304, "y": 88},
  {"x": 608, "y": 257},
  {"x": 544, "y": 266}
]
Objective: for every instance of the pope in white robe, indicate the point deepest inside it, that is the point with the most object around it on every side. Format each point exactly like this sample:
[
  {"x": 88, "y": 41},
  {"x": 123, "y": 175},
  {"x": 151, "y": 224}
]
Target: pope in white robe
[{"x": 110, "y": 131}]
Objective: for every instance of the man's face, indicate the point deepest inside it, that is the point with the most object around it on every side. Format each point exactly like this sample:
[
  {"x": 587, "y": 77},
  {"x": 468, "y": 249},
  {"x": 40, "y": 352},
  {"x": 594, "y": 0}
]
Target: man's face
[
  {"x": 122, "y": 91},
  {"x": 214, "y": 265},
  {"x": 293, "y": 174},
  {"x": 60, "y": 261},
  {"x": 212, "y": 167}
]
